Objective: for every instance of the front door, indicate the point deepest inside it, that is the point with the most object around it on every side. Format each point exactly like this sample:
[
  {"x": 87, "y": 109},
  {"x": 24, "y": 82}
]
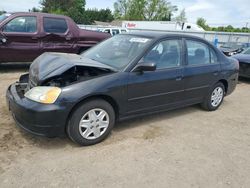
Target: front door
[
  {"x": 160, "y": 89},
  {"x": 21, "y": 40}
]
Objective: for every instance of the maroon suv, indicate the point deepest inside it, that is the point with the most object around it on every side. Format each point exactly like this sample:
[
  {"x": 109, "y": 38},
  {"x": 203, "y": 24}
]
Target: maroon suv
[{"x": 25, "y": 36}]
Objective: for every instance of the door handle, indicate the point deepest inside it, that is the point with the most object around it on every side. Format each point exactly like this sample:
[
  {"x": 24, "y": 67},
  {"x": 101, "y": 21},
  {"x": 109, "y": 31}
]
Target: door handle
[
  {"x": 68, "y": 38},
  {"x": 215, "y": 73},
  {"x": 178, "y": 79},
  {"x": 35, "y": 37}
]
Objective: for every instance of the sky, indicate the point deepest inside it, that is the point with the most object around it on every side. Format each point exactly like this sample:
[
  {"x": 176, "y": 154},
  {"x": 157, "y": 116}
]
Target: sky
[{"x": 216, "y": 12}]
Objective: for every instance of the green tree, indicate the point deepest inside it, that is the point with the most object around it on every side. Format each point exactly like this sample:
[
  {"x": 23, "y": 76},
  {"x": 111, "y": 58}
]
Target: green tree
[
  {"x": 34, "y": 9},
  {"x": 104, "y": 15},
  {"x": 121, "y": 8},
  {"x": 72, "y": 8},
  {"x": 202, "y": 23},
  {"x": 2, "y": 12},
  {"x": 181, "y": 17},
  {"x": 152, "y": 10}
]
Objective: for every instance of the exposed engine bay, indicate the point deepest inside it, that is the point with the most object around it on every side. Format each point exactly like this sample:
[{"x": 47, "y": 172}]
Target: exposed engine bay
[{"x": 75, "y": 74}]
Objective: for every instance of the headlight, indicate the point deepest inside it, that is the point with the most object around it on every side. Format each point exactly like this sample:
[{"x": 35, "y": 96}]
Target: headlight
[{"x": 42, "y": 94}]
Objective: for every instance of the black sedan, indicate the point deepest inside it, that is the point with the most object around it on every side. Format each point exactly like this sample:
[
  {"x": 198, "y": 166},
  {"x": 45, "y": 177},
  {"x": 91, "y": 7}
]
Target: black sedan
[
  {"x": 244, "y": 60},
  {"x": 232, "y": 48},
  {"x": 129, "y": 75}
]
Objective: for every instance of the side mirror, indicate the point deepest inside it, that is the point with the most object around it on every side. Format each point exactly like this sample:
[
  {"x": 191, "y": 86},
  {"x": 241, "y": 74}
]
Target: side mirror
[{"x": 145, "y": 66}]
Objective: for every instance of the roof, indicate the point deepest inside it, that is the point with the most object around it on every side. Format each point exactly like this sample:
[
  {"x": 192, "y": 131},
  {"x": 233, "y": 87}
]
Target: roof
[
  {"x": 37, "y": 13},
  {"x": 156, "y": 34}
]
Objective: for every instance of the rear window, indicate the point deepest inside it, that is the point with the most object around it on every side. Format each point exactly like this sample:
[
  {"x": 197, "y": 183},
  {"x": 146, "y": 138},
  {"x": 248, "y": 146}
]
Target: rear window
[
  {"x": 55, "y": 25},
  {"x": 115, "y": 31}
]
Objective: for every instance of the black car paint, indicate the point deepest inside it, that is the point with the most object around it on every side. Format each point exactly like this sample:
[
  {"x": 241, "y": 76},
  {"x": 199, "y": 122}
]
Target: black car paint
[
  {"x": 130, "y": 93},
  {"x": 244, "y": 61}
]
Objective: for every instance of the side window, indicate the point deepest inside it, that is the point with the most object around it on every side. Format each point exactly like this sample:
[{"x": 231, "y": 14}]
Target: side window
[
  {"x": 198, "y": 53},
  {"x": 123, "y": 31},
  {"x": 24, "y": 24},
  {"x": 166, "y": 54},
  {"x": 55, "y": 25},
  {"x": 107, "y": 31}
]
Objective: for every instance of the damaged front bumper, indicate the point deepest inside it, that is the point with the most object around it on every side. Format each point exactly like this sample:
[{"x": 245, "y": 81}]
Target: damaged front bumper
[{"x": 36, "y": 118}]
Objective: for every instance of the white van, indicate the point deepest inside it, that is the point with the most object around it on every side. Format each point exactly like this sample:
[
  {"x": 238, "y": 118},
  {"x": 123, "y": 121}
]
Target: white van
[{"x": 113, "y": 30}]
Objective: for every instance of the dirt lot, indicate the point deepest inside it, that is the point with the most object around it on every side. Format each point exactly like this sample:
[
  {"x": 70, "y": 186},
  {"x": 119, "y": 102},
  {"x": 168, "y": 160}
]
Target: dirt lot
[{"x": 182, "y": 148}]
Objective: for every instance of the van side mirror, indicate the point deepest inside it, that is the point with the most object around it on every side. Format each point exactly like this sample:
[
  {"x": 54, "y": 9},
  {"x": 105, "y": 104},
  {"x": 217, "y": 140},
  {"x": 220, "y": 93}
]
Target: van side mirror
[{"x": 145, "y": 66}]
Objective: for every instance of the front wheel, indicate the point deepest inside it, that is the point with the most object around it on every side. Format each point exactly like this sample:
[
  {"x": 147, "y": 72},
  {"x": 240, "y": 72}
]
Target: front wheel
[
  {"x": 91, "y": 122},
  {"x": 215, "y": 97}
]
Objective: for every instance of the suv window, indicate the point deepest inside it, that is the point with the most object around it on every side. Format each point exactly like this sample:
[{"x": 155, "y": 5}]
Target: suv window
[
  {"x": 115, "y": 31},
  {"x": 22, "y": 24},
  {"x": 123, "y": 31},
  {"x": 200, "y": 53},
  {"x": 107, "y": 30},
  {"x": 55, "y": 25},
  {"x": 166, "y": 54}
]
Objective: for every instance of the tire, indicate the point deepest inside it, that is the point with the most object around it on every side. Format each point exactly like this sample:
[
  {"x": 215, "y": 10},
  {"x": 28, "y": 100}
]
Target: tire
[
  {"x": 91, "y": 122},
  {"x": 218, "y": 91}
]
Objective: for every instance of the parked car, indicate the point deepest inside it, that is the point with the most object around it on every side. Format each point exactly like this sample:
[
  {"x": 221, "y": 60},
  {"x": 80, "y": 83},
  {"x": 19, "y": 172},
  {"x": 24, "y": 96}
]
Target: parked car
[
  {"x": 244, "y": 61},
  {"x": 113, "y": 30},
  {"x": 25, "y": 36},
  {"x": 128, "y": 75},
  {"x": 232, "y": 48}
]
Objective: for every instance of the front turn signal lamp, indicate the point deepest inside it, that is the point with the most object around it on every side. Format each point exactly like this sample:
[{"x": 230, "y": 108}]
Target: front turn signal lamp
[{"x": 43, "y": 94}]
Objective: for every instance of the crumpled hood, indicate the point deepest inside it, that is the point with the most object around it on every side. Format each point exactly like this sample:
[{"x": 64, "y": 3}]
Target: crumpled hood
[
  {"x": 242, "y": 58},
  {"x": 228, "y": 49},
  {"x": 49, "y": 65}
]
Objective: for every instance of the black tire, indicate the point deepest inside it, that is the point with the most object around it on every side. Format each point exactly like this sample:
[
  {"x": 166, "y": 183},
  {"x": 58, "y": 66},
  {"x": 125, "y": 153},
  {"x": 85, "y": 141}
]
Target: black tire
[
  {"x": 73, "y": 124},
  {"x": 207, "y": 103}
]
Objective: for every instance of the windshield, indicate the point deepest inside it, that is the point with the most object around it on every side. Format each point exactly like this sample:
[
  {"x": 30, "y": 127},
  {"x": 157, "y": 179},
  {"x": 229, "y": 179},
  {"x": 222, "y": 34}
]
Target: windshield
[
  {"x": 247, "y": 51},
  {"x": 232, "y": 45},
  {"x": 4, "y": 16},
  {"x": 118, "y": 51}
]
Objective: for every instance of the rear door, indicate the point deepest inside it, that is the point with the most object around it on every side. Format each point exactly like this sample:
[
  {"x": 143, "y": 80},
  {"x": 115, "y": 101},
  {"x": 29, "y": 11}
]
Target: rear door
[
  {"x": 22, "y": 43},
  {"x": 201, "y": 71},
  {"x": 160, "y": 89},
  {"x": 56, "y": 36}
]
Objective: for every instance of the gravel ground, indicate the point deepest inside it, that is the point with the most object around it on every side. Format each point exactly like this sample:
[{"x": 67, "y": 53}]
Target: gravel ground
[{"x": 182, "y": 148}]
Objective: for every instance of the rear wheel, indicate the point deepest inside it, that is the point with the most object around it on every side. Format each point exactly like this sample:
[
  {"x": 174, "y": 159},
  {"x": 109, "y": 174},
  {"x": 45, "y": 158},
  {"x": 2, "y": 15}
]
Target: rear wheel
[
  {"x": 91, "y": 122},
  {"x": 215, "y": 97}
]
